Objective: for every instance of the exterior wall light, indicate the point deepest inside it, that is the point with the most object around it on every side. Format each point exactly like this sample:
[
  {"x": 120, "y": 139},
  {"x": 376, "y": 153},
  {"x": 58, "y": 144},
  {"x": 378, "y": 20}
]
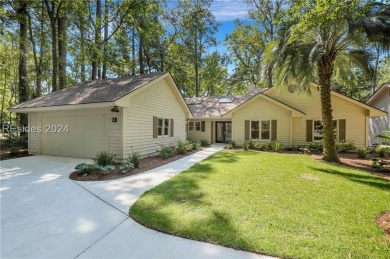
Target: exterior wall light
[{"x": 115, "y": 109}]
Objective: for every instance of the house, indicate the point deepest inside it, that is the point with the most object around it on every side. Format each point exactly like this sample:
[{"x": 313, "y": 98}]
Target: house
[
  {"x": 278, "y": 113},
  {"x": 381, "y": 100},
  {"x": 132, "y": 113},
  {"x": 140, "y": 113}
]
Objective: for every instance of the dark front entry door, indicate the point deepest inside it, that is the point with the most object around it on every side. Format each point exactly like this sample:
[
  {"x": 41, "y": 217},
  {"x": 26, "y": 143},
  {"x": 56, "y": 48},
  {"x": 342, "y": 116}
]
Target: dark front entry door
[{"x": 223, "y": 131}]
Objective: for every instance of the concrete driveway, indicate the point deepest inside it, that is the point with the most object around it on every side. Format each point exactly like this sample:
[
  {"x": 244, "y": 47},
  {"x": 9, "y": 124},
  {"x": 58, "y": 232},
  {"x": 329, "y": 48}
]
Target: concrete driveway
[{"x": 44, "y": 214}]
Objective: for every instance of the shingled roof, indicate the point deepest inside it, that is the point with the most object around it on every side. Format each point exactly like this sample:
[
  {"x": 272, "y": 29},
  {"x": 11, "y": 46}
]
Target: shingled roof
[
  {"x": 105, "y": 90},
  {"x": 208, "y": 107}
]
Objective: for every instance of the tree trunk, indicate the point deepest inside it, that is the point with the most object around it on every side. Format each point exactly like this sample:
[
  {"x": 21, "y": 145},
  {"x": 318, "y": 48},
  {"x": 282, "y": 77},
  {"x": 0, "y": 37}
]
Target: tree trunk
[
  {"x": 105, "y": 54},
  {"x": 140, "y": 56},
  {"x": 23, "y": 87},
  {"x": 325, "y": 71},
  {"x": 82, "y": 49},
  {"x": 53, "y": 24},
  {"x": 96, "y": 49},
  {"x": 38, "y": 90},
  {"x": 133, "y": 51},
  {"x": 62, "y": 51},
  {"x": 3, "y": 96},
  {"x": 38, "y": 70},
  {"x": 197, "y": 86}
]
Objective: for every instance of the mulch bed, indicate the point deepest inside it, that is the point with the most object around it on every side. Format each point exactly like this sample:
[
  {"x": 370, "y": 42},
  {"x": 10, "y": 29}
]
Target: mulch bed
[
  {"x": 351, "y": 159},
  {"x": 383, "y": 221},
  {"x": 5, "y": 154},
  {"x": 147, "y": 163}
]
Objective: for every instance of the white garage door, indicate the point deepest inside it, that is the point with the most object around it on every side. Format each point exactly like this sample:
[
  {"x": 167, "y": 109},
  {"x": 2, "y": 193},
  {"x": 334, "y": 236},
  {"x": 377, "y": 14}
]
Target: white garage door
[{"x": 74, "y": 136}]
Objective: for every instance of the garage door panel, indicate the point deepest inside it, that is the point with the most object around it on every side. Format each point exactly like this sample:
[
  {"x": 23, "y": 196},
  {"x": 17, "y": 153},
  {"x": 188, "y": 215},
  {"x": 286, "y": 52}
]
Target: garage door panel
[{"x": 85, "y": 136}]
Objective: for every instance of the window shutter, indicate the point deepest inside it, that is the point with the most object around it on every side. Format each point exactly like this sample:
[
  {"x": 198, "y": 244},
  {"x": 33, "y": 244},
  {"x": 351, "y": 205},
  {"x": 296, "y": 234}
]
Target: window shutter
[
  {"x": 274, "y": 129},
  {"x": 247, "y": 126},
  {"x": 203, "y": 126},
  {"x": 171, "y": 129},
  {"x": 342, "y": 129},
  {"x": 309, "y": 130},
  {"x": 155, "y": 124}
]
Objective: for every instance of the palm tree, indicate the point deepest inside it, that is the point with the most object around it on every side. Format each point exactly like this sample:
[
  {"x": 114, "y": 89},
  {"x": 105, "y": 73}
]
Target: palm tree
[{"x": 314, "y": 45}]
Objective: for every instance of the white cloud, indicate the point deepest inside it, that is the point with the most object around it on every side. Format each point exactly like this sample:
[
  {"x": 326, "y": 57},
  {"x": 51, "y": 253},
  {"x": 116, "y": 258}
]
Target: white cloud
[{"x": 228, "y": 10}]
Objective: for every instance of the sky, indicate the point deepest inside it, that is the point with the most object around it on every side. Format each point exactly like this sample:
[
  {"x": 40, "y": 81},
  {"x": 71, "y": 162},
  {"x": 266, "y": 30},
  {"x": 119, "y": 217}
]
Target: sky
[{"x": 225, "y": 12}]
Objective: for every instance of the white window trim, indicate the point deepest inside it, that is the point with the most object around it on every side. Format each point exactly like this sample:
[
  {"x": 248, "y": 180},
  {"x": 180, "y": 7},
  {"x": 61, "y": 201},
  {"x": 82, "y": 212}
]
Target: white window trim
[
  {"x": 260, "y": 121},
  {"x": 270, "y": 130},
  {"x": 337, "y": 130},
  {"x": 194, "y": 126},
  {"x": 163, "y": 127}
]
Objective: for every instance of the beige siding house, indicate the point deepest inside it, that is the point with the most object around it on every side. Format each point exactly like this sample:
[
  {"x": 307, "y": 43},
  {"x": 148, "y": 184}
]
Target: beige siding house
[
  {"x": 134, "y": 113},
  {"x": 264, "y": 115},
  {"x": 140, "y": 113},
  {"x": 381, "y": 100}
]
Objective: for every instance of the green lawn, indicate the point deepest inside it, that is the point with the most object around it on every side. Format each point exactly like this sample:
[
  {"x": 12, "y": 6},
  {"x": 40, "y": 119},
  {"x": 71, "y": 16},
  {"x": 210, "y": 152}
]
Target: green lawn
[{"x": 277, "y": 204}]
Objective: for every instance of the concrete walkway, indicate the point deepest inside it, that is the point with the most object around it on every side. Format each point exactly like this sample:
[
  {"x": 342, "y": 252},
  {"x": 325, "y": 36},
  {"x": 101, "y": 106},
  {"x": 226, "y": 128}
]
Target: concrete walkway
[{"x": 46, "y": 215}]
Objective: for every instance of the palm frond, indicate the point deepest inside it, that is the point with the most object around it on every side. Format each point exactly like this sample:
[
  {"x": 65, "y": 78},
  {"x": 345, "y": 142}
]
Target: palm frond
[{"x": 375, "y": 25}]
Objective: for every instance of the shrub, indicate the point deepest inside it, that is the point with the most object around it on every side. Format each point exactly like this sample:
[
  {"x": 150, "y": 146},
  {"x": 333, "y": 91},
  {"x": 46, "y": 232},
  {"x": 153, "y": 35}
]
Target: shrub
[
  {"x": 276, "y": 146},
  {"x": 15, "y": 141},
  {"x": 262, "y": 147},
  {"x": 345, "y": 145},
  {"x": 245, "y": 145},
  {"x": 304, "y": 150},
  {"x": 105, "y": 169},
  {"x": 379, "y": 164},
  {"x": 232, "y": 144},
  {"x": 195, "y": 144},
  {"x": 14, "y": 151},
  {"x": 104, "y": 158},
  {"x": 316, "y": 147},
  {"x": 166, "y": 151},
  {"x": 183, "y": 147},
  {"x": 382, "y": 150},
  {"x": 126, "y": 167},
  {"x": 251, "y": 144},
  {"x": 134, "y": 158},
  {"x": 84, "y": 168},
  {"x": 363, "y": 152},
  {"x": 204, "y": 143}
]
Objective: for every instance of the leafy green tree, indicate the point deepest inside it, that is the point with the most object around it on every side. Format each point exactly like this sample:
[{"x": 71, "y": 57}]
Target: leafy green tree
[
  {"x": 316, "y": 41},
  {"x": 215, "y": 75},
  {"x": 197, "y": 32},
  {"x": 246, "y": 46}
]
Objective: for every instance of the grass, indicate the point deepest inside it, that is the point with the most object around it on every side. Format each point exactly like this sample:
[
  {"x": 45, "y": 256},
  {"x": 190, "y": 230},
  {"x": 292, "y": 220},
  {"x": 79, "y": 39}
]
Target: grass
[{"x": 276, "y": 204}]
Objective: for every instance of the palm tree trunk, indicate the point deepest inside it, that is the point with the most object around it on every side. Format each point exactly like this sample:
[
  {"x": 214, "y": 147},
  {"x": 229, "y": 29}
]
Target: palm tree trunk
[{"x": 325, "y": 70}]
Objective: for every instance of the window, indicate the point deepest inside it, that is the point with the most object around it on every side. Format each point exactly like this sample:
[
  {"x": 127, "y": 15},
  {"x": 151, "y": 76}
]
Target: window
[
  {"x": 194, "y": 126},
  {"x": 191, "y": 126},
  {"x": 266, "y": 130},
  {"x": 261, "y": 133},
  {"x": 197, "y": 126},
  {"x": 318, "y": 130},
  {"x": 166, "y": 127},
  {"x": 254, "y": 130},
  {"x": 163, "y": 127}
]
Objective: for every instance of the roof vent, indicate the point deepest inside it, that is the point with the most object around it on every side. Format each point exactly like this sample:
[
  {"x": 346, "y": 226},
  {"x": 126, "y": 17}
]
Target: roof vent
[{"x": 226, "y": 100}]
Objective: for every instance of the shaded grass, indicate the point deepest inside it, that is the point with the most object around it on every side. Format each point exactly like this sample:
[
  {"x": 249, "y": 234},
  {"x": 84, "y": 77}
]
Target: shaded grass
[{"x": 266, "y": 203}]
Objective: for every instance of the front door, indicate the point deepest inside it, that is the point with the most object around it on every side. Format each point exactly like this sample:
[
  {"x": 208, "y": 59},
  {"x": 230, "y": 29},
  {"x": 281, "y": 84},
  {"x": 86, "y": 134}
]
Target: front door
[{"x": 223, "y": 131}]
